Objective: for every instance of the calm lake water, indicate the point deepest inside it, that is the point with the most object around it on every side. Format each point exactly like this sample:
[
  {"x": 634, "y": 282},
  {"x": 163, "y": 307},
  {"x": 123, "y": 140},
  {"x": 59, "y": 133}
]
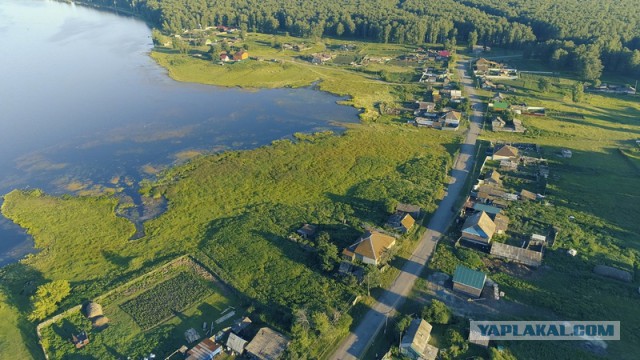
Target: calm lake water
[{"x": 82, "y": 106}]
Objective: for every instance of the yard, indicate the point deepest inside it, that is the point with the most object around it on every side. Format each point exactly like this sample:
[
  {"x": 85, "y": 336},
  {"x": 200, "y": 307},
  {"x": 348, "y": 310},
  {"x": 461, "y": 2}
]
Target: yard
[{"x": 147, "y": 315}]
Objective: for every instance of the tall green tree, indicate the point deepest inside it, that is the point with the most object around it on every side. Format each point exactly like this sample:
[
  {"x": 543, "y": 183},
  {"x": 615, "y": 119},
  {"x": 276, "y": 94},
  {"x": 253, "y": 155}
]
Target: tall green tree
[
  {"x": 544, "y": 84},
  {"x": 577, "y": 92},
  {"x": 473, "y": 39}
]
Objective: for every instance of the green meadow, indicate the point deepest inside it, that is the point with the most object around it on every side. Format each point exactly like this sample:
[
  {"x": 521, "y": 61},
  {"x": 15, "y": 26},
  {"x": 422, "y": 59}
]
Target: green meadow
[{"x": 238, "y": 209}]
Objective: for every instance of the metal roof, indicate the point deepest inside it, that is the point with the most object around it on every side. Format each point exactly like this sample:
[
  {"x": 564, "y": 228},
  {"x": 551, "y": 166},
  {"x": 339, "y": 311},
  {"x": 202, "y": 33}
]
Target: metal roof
[
  {"x": 486, "y": 208},
  {"x": 472, "y": 278}
]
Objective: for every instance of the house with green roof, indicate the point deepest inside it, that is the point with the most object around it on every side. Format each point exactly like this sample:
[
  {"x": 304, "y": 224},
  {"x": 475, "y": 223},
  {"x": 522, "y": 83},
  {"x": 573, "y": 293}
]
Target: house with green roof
[
  {"x": 468, "y": 281},
  {"x": 499, "y": 106}
]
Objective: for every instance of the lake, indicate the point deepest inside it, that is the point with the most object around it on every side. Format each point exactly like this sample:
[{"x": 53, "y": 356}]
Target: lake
[{"x": 84, "y": 109}]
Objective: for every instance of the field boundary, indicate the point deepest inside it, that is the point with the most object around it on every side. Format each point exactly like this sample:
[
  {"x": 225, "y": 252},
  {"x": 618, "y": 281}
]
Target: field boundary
[{"x": 199, "y": 268}]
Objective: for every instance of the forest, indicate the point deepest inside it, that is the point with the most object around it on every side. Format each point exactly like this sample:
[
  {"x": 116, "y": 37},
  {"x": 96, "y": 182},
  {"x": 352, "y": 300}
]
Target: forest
[{"x": 584, "y": 35}]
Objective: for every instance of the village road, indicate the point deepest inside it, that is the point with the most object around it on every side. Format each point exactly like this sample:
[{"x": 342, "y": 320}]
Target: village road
[{"x": 358, "y": 341}]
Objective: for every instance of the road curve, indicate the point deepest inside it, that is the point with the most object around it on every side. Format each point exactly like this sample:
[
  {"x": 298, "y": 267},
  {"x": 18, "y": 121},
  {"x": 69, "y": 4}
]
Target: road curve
[{"x": 357, "y": 342}]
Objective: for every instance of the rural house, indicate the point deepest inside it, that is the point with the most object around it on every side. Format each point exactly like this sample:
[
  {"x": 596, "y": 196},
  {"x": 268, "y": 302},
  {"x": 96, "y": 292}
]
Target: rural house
[
  {"x": 267, "y": 345},
  {"x": 415, "y": 342},
  {"x": 236, "y": 343},
  {"x": 452, "y": 119},
  {"x": 413, "y": 210},
  {"x": 526, "y": 195},
  {"x": 516, "y": 254},
  {"x": 240, "y": 55},
  {"x": 478, "y": 228},
  {"x": 468, "y": 281},
  {"x": 402, "y": 222},
  {"x": 493, "y": 178},
  {"x": 505, "y": 152},
  {"x": 80, "y": 340},
  {"x": 224, "y": 57},
  {"x": 307, "y": 231},
  {"x": 370, "y": 248},
  {"x": 205, "y": 350}
]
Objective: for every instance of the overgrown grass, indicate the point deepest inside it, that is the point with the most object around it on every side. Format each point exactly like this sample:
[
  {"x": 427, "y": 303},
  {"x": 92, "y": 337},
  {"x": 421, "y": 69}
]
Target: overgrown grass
[{"x": 239, "y": 208}]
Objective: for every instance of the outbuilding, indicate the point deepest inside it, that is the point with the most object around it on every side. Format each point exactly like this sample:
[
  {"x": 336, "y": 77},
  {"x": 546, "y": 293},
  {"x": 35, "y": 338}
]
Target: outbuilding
[{"x": 468, "y": 281}]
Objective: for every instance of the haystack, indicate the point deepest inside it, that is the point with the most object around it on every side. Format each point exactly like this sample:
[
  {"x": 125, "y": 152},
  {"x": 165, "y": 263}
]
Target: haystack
[
  {"x": 93, "y": 310},
  {"x": 100, "y": 321}
]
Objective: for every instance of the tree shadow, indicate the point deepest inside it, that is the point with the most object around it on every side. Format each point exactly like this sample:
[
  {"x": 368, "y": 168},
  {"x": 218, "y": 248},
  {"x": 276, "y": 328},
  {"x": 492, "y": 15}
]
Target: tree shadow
[{"x": 18, "y": 282}]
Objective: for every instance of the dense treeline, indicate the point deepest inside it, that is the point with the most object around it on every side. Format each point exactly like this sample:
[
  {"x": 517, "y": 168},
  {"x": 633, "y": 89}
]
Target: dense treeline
[{"x": 583, "y": 35}]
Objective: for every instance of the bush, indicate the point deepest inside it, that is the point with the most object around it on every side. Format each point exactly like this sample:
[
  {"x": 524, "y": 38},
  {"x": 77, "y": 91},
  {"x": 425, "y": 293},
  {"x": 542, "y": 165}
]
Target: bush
[{"x": 437, "y": 313}]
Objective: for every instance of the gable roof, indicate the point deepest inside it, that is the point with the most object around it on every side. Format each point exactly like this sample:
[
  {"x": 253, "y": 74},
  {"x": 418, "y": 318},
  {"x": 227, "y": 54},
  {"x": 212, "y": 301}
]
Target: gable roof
[
  {"x": 204, "y": 350},
  {"x": 407, "y": 221},
  {"x": 452, "y": 115},
  {"x": 372, "y": 245},
  {"x": 507, "y": 151},
  {"x": 268, "y": 344},
  {"x": 517, "y": 254},
  {"x": 495, "y": 176},
  {"x": 528, "y": 195},
  {"x": 486, "y": 208},
  {"x": 471, "y": 278},
  {"x": 236, "y": 343},
  {"x": 479, "y": 224},
  {"x": 417, "y": 335},
  {"x": 408, "y": 208}
]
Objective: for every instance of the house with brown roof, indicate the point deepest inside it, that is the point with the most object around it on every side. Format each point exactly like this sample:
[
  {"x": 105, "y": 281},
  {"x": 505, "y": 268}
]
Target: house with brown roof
[
  {"x": 505, "y": 152},
  {"x": 401, "y": 221},
  {"x": 240, "y": 55},
  {"x": 224, "y": 57},
  {"x": 268, "y": 344},
  {"x": 493, "y": 178},
  {"x": 370, "y": 248},
  {"x": 526, "y": 195},
  {"x": 206, "y": 349},
  {"x": 478, "y": 228}
]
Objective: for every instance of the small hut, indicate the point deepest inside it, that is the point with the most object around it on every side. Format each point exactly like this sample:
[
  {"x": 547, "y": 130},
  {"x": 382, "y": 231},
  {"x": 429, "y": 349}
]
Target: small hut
[{"x": 93, "y": 310}]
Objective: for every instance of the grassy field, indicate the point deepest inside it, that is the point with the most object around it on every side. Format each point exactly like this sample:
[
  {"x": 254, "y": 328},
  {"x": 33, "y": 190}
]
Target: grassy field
[
  {"x": 286, "y": 68},
  {"x": 238, "y": 208}
]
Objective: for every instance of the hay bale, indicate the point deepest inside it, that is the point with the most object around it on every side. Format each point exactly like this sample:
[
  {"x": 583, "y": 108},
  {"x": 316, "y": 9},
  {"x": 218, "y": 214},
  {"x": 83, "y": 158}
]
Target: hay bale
[
  {"x": 100, "y": 321},
  {"x": 93, "y": 310}
]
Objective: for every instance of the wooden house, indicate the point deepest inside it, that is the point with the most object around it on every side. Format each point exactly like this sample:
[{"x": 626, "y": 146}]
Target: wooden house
[
  {"x": 370, "y": 248},
  {"x": 415, "y": 342},
  {"x": 240, "y": 55},
  {"x": 478, "y": 228},
  {"x": 268, "y": 344}
]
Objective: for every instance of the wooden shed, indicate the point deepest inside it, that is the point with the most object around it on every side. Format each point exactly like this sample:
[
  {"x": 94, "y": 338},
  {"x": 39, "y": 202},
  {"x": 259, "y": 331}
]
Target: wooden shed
[{"x": 468, "y": 281}]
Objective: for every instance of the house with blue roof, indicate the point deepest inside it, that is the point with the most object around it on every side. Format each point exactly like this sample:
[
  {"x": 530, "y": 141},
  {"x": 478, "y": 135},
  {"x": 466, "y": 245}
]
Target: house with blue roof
[{"x": 478, "y": 228}]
